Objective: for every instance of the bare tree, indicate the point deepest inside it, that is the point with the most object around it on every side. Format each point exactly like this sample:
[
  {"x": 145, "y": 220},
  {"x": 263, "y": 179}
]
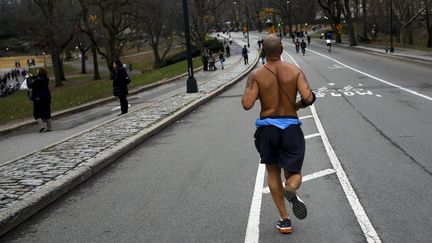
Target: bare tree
[
  {"x": 334, "y": 9},
  {"x": 113, "y": 22},
  {"x": 158, "y": 24},
  {"x": 365, "y": 20},
  {"x": 348, "y": 18},
  {"x": 85, "y": 27},
  {"x": 407, "y": 12},
  {"x": 202, "y": 20},
  {"x": 57, "y": 27},
  {"x": 428, "y": 24}
]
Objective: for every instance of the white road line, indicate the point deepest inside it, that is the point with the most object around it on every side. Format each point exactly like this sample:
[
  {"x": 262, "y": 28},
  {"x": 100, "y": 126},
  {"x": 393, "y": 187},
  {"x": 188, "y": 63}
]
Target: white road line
[
  {"x": 305, "y": 117},
  {"x": 365, "y": 224},
  {"x": 371, "y": 76},
  {"x": 318, "y": 174},
  {"x": 308, "y": 177},
  {"x": 312, "y": 135},
  {"x": 252, "y": 230}
]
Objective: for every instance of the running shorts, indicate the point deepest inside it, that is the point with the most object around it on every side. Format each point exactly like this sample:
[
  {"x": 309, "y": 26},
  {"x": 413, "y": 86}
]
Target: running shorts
[{"x": 286, "y": 147}]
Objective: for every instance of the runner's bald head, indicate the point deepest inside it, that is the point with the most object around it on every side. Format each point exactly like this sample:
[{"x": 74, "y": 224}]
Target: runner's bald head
[{"x": 272, "y": 46}]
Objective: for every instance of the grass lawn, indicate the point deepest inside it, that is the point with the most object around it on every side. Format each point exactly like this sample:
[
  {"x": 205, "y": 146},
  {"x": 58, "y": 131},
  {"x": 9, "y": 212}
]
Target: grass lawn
[{"x": 77, "y": 91}]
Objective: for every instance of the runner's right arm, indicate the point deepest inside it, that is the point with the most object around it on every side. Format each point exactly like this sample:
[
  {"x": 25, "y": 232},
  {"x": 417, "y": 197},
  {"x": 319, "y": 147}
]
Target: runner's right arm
[{"x": 250, "y": 94}]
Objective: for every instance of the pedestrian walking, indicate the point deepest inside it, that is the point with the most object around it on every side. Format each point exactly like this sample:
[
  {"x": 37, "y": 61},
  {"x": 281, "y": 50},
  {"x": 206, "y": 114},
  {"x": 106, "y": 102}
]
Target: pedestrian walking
[
  {"x": 262, "y": 56},
  {"x": 309, "y": 39},
  {"x": 245, "y": 55},
  {"x": 279, "y": 138},
  {"x": 205, "y": 60},
  {"x": 221, "y": 59},
  {"x": 230, "y": 40},
  {"x": 303, "y": 47},
  {"x": 228, "y": 51},
  {"x": 120, "y": 83},
  {"x": 297, "y": 45},
  {"x": 212, "y": 60},
  {"x": 41, "y": 97}
]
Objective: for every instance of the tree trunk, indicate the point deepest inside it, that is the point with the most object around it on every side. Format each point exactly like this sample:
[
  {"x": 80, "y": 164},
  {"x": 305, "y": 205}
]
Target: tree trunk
[
  {"x": 365, "y": 24},
  {"x": 402, "y": 34},
  {"x": 429, "y": 28},
  {"x": 352, "y": 40},
  {"x": 157, "y": 60},
  {"x": 56, "y": 61},
  {"x": 338, "y": 35},
  {"x": 83, "y": 62},
  {"x": 96, "y": 75}
]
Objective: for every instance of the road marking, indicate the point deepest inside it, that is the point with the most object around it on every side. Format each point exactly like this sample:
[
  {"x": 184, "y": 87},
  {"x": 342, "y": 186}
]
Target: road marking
[
  {"x": 252, "y": 230},
  {"x": 376, "y": 78},
  {"x": 308, "y": 177},
  {"x": 365, "y": 224},
  {"x": 305, "y": 117},
  {"x": 312, "y": 135}
]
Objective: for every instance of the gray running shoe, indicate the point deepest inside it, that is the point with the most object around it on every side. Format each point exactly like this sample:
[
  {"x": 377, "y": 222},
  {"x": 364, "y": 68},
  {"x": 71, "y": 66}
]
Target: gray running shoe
[{"x": 298, "y": 206}]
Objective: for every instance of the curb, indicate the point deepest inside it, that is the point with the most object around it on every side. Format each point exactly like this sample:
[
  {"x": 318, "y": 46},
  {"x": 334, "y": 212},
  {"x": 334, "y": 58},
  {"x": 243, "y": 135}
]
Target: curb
[
  {"x": 86, "y": 106},
  {"x": 53, "y": 190}
]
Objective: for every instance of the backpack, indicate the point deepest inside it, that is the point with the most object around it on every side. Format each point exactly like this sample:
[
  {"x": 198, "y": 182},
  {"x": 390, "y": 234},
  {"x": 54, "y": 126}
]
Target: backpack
[{"x": 244, "y": 52}]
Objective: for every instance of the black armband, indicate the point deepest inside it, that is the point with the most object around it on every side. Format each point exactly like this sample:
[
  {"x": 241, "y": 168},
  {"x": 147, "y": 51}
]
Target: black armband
[{"x": 304, "y": 104}]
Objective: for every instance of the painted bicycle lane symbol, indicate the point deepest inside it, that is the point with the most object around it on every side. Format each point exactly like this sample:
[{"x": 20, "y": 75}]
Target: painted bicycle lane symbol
[{"x": 345, "y": 91}]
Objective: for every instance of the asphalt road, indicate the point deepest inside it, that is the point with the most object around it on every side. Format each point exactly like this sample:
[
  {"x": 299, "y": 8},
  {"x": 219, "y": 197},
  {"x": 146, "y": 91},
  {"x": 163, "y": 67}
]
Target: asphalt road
[{"x": 199, "y": 180}]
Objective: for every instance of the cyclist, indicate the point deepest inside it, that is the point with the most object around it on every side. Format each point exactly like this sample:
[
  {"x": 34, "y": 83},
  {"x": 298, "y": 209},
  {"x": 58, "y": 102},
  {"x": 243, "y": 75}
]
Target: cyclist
[
  {"x": 297, "y": 46},
  {"x": 303, "y": 47},
  {"x": 329, "y": 45}
]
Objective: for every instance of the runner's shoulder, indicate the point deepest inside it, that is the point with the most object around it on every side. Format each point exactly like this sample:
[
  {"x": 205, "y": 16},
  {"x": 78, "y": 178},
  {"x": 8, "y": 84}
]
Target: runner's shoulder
[{"x": 292, "y": 68}]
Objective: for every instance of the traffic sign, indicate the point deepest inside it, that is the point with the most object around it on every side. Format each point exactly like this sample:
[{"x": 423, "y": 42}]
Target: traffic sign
[
  {"x": 339, "y": 27},
  {"x": 272, "y": 29}
]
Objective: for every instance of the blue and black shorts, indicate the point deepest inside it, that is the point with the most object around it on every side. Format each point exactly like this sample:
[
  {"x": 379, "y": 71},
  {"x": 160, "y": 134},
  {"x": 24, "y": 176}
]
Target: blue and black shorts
[{"x": 283, "y": 146}]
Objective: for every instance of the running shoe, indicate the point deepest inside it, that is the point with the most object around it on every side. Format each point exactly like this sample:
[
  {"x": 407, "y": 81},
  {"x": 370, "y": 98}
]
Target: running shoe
[
  {"x": 284, "y": 226},
  {"x": 298, "y": 206}
]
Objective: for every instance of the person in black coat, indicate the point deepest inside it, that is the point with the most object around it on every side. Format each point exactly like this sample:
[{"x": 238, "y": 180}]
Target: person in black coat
[
  {"x": 41, "y": 97},
  {"x": 120, "y": 82}
]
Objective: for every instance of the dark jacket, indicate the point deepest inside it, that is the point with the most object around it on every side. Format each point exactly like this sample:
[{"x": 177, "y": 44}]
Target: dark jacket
[
  {"x": 120, "y": 82},
  {"x": 39, "y": 86}
]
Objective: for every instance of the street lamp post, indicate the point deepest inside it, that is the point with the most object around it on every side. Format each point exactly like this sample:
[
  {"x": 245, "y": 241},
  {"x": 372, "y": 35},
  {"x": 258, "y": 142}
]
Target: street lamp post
[
  {"x": 43, "y": 53},
  {"x": 247, "y": 28},
  {"x": 391, "y": 27},
  {"x": 191, "y": 83}
]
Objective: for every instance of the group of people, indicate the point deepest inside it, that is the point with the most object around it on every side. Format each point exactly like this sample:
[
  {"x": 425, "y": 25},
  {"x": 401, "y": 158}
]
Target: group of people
[
  {"x": 9, "y": 82},
  {"x": 209, "y": 58},
  {"x": 300, "y": 45},
  {"x": 40, "y": 94}
]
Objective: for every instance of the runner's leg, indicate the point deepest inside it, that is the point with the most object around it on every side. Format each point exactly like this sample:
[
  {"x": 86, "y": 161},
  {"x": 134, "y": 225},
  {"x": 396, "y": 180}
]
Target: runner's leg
[
  {"x": 275, "y": 185},
  {"x": 293, "y": 180}
]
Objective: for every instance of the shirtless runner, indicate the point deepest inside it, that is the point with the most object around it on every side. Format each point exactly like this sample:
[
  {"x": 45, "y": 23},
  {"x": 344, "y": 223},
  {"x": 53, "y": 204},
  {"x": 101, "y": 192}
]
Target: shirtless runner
[{"x": 279, "y": 138}]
